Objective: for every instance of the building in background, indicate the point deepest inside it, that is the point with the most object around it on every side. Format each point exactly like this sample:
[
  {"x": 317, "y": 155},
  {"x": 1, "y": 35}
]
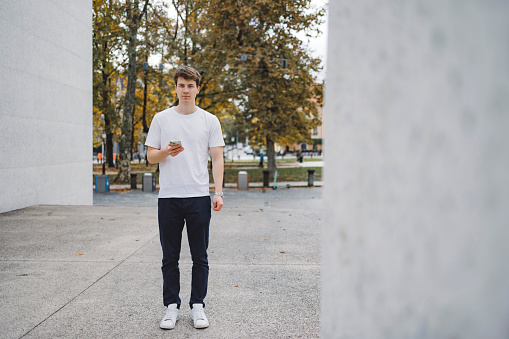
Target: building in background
[{"x": 316, "y": 144}]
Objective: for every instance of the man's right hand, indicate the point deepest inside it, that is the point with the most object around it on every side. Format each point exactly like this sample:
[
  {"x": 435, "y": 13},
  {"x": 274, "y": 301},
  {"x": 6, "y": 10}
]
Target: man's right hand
[
  {"x": 155, "y": 155},
  {"x": 174, "y": 150}
]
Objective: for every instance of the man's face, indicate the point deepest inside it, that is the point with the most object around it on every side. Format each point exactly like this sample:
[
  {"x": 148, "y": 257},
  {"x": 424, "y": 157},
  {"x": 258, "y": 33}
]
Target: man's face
[{"x": 186, "y": 90}]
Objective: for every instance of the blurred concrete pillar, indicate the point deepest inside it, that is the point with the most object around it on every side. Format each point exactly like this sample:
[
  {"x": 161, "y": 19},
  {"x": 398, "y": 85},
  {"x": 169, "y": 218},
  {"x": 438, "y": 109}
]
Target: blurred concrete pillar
[{"x": 416, "y": 239}]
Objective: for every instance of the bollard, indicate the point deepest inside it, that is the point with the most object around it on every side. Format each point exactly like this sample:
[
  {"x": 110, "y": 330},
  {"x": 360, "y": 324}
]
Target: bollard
[
  {"x": 311, "y": 177},
  {"x": 133, "y": 181},
  {"x": 266, "y": 178}
]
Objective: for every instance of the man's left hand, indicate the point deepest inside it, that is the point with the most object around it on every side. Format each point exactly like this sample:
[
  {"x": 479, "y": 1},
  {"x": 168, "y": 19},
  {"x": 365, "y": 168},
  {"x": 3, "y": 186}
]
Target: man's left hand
[{"x": 217, "y": 201}]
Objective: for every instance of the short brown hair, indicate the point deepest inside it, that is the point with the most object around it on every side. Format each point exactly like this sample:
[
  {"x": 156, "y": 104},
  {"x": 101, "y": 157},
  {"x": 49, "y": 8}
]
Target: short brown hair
[{"x": 187, "y": 73}]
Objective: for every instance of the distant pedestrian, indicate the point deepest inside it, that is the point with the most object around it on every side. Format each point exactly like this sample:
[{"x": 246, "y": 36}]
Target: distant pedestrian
[
  {"x": 261, "y": 160},
  {"x": 184, "y": 195}
]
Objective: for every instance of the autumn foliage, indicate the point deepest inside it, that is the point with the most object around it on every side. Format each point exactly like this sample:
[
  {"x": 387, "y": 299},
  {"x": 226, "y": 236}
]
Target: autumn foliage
[{"x": 256, "y": 73}]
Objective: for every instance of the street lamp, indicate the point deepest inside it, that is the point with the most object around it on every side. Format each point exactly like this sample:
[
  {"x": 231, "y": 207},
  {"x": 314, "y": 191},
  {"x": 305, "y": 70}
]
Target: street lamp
[
  {"x": 233, "y": 139},
  {"x": 144, "y": 138},
  {"x": 225, "y": 146},
  {"x": 104, "y": 164},
  {"x": 147, "y": 68}
]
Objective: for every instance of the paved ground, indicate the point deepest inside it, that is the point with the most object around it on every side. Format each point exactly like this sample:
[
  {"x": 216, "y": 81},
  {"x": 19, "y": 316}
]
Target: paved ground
[{"x": 94, "y": 271}]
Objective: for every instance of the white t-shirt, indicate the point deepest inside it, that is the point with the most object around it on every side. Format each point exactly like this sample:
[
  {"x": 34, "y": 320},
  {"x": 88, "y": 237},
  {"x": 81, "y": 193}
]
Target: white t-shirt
[{"x": 185, "y": 175}]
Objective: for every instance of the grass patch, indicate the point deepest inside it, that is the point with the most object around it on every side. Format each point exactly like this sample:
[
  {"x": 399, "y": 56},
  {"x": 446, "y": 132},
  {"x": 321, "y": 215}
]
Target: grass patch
[
  {"x": 289, "y": 174},
  {"x": 283, "y": 174}
]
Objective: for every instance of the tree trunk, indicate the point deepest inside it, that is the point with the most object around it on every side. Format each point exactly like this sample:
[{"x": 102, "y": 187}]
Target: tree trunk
[
  {"x": 271, "y": 158},
  {"x": 124, "y": 168},
  {"x": 131, "y": 147},
  {"x": 133, "y": 20}
]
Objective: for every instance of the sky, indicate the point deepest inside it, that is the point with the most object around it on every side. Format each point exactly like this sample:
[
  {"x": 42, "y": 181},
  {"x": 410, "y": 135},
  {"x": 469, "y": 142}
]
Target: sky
[{"x": 318, "y": 46}]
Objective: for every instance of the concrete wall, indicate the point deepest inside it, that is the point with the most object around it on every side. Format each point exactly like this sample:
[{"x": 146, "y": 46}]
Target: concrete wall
[
  {"x": 416, "y": 241},
  {"x": 46, "y": 103}
]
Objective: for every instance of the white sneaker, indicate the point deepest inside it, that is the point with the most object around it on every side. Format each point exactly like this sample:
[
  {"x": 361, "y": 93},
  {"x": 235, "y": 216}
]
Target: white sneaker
[
  {"x": 199, "y": 318},
  {"x": 171, "y": 317}
]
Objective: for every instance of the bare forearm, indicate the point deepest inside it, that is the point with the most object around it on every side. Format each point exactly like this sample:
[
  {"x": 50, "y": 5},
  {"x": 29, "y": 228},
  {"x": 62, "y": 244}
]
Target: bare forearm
[
  {"x": 217, "y": 173},
  {"x": 155, "y": 156}
]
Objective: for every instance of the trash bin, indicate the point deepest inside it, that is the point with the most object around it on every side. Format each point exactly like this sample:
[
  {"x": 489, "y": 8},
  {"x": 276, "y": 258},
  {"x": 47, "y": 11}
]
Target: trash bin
[
  {"x": 148, "y": 182},
  {"x": 243, "y": 181},
  {"x": 102, "y": 183}
]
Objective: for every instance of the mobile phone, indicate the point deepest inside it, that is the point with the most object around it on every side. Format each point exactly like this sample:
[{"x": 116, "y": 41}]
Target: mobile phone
[{"x": 175, "y": 142}]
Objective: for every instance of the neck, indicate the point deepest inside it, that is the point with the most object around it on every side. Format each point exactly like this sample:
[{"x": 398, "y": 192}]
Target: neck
[{"x": 186, "y": 108}]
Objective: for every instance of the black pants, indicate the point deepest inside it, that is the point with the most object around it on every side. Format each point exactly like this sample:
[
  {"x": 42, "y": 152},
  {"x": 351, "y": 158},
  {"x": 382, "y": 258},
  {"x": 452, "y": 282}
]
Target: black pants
[{"x": 195, "y": 213}]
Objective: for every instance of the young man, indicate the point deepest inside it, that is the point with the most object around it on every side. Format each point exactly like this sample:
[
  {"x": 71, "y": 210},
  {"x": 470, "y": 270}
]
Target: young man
[{"x": 180, "y": 139}]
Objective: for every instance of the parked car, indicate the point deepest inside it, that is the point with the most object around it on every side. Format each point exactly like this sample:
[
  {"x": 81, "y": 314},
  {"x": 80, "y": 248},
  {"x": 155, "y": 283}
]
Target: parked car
[{"x": 248, "y": 150}]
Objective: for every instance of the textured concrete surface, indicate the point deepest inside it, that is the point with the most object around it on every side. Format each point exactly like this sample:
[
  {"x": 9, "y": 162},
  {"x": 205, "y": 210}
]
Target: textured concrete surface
[
  {"x": 94, "y": 271},
  {"x": 46, "y": 105},
  {"x": 416, "y": 189}
]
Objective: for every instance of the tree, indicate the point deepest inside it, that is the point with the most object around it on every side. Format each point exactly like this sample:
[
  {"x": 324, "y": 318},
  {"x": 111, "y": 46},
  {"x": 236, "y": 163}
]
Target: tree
[
  {"x": 259, "y": 35},
  {"x": 152, "y": 41},
  {"x": 193, "y": 43},
  {"x": 134, "y": 16},
  {"x": 114, "y": 25},
  {"x": 107, "y": 41},
  {"x": 238, "y": 47}
]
